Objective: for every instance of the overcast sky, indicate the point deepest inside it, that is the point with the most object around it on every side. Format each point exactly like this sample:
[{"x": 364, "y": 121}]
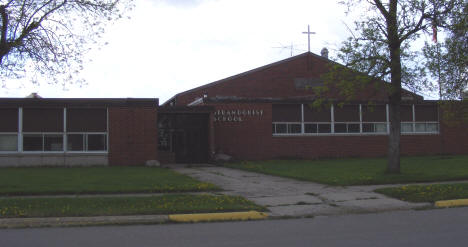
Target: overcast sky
[{"x": 169, "y": 46}]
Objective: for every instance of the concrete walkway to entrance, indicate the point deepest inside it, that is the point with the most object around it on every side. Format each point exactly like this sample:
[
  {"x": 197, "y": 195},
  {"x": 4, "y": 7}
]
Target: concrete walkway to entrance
[{"x": 288, "y": 197}]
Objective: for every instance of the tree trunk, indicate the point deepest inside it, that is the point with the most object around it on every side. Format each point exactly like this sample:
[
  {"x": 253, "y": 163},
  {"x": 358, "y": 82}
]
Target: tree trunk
[
  {"x": 393, "y": 165},
  {"x": 393, "y": 159}
]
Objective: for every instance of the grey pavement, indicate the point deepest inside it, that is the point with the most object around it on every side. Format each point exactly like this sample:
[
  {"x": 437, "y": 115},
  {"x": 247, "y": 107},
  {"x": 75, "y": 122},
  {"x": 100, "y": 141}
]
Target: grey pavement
[
  {"x": 292, "y": 198},
  {"x": 441, "y": 227}
]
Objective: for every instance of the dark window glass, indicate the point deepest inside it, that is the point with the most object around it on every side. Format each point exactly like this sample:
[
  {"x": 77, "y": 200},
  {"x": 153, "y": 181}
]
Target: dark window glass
[
  {"x": 368, "y": 128},
  {"x": 314, "y": 114},
  {"x": 324, "y": 128},
  {"x": 340, "y": 128},
  {"x": 427, "y": 113},
  {"x": 97, "y": 142},
  {"x": 374, "y": 113},
  {"x": 9, "y": 120},
  {"x": 75, "y": 142},
  {"x": 353, "y": 128},
  {"x": 347, "y": 113},
  {"x": 53, "y": 142},
  {"x": 294, "y": 128},
  {"x": 86, "y": 120},
  {"x": 32, "y": 142},
  {"x": 281, "y": 128},
  {"x": 406, "y": 112},
  {"x": 42, "y": 120},
  {"x": 310, "y": 128},
  {"x": 287, "y": 113}
]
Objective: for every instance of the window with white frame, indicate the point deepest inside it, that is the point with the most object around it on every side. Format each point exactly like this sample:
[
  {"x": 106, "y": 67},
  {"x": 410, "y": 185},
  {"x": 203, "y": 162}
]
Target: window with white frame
[
  {"x": 86, "y": 130},
  {"x": 43, "y": 129},
  {"x": 406, "y": 118},
  {"x": 9, "y": 130},
  {"x": 426, "y": 119},
  {"x": 346, "y": 119},
  {"x": 53, "y": 130},
  {"x": 317, "y": 120},
  {"x": 374, "y": 118},
  {"x": 287, "y": 119},
  {"x": 296, "y": 119}
]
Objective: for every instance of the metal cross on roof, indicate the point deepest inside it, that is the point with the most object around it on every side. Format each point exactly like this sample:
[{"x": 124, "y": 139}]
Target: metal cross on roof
[{"x": 308, "y": 35}]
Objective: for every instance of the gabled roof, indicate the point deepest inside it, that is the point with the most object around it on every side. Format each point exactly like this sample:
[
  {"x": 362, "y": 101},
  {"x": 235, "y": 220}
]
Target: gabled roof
[
  {"x": 248, "y": 72},
  {"x": 315, "y": 56}
]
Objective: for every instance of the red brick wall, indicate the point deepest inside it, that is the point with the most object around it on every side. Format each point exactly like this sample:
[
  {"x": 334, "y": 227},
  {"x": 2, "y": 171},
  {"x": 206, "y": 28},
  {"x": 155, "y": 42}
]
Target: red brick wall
[
  {"x": 247, "y": 139},
  {"x": 252, "y": 139},
  {"x": 275, "y": 81},
  {"x": 133, "y": 135}
]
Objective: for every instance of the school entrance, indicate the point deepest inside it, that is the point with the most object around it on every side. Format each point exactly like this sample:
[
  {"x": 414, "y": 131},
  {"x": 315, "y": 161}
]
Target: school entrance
[{"x": 183, "y": 135}]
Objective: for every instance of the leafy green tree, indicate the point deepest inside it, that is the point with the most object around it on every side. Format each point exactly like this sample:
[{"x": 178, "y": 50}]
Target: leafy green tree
[
  {"x": 382, "y": 49},
  {"x": 447, "y": 62},
  {"x": 48, "y": 38}
]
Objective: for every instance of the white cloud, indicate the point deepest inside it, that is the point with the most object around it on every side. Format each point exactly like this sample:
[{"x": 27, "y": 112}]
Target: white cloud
[{"x": 172, "y": 46}]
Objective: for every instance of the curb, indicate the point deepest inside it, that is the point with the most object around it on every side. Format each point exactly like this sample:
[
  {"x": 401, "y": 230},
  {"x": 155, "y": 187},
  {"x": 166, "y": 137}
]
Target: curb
[
  {"x": 127, "y": 220},
  {"x": 81, "y": 221},
  {"x": 451, "y": 203},
  {"x": 251, "y": 215}
]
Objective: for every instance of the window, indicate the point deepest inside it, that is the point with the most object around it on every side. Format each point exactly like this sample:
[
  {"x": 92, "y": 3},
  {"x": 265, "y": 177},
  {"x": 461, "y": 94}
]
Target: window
[
  {"x": 347, "y": 119},
  {"x": 8, "y": 142},
  {"x": 294, "y": 119},
  {"x": 42, "y": 120},
  {"x": 96, "y": 142},
  {"x": 87, "y": 129},
  {"x": 76, "y": 142},
  {"x": 86, "y": 142},
  {"x": 43, "y": 142},
  {"x": 43, "y": 129},
  {"x": 287, "y": 128},
  {"x": 317, "y": 119},
  {"x": 374, "y": 127},
  {"x": 8, "y": 129},
  {"x": 287, "y": 119},
  {"x": 347, "y": 128},
  {"x": 427, "y": 127},
  {"x": 86, "y": 120},
  {"x": 53, "y": 142},
  {"x": 9, "y": 120},
  {"x": 374, "y": 119},
  {"x": 407, "y": 128}
]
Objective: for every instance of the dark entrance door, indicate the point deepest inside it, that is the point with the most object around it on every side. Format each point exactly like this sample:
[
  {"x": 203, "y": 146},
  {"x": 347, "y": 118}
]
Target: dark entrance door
[{"x": 185, "y": 135}]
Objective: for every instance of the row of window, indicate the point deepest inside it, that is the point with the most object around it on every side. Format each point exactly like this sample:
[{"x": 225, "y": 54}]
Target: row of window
[
  {"x": 60, "y": 129},
  {"x": 343, "y": 128},
  {"x": 351, "y": 119},
  {"x": 53, "y": 142}
]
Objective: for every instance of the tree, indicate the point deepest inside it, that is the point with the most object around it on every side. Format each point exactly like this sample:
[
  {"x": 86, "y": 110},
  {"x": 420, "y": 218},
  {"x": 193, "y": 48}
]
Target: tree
[
  {"x": 381, "y": 48},
  {"x": 48, "y": 38},
  {"x": 448, "y": 61}
]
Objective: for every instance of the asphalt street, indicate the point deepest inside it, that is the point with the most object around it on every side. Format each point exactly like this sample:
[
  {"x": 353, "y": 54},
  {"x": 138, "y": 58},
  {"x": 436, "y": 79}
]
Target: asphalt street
[{"x": 439, "y": 227}]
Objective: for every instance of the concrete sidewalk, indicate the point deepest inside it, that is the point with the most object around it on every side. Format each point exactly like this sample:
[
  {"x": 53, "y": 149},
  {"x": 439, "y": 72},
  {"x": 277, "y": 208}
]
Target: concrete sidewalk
[
  {"x": 282, "y": 196},
  {"x": 291, "y": 198}
]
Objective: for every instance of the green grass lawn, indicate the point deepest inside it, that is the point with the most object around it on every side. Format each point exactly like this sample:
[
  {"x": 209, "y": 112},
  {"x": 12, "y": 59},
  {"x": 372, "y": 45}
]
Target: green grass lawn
[
  {"x": 165, "y": 204},
  {"x": 427, "y": 193},
  {"x": 364, "y": 171},
  {"x": 92, "y": 180}
]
